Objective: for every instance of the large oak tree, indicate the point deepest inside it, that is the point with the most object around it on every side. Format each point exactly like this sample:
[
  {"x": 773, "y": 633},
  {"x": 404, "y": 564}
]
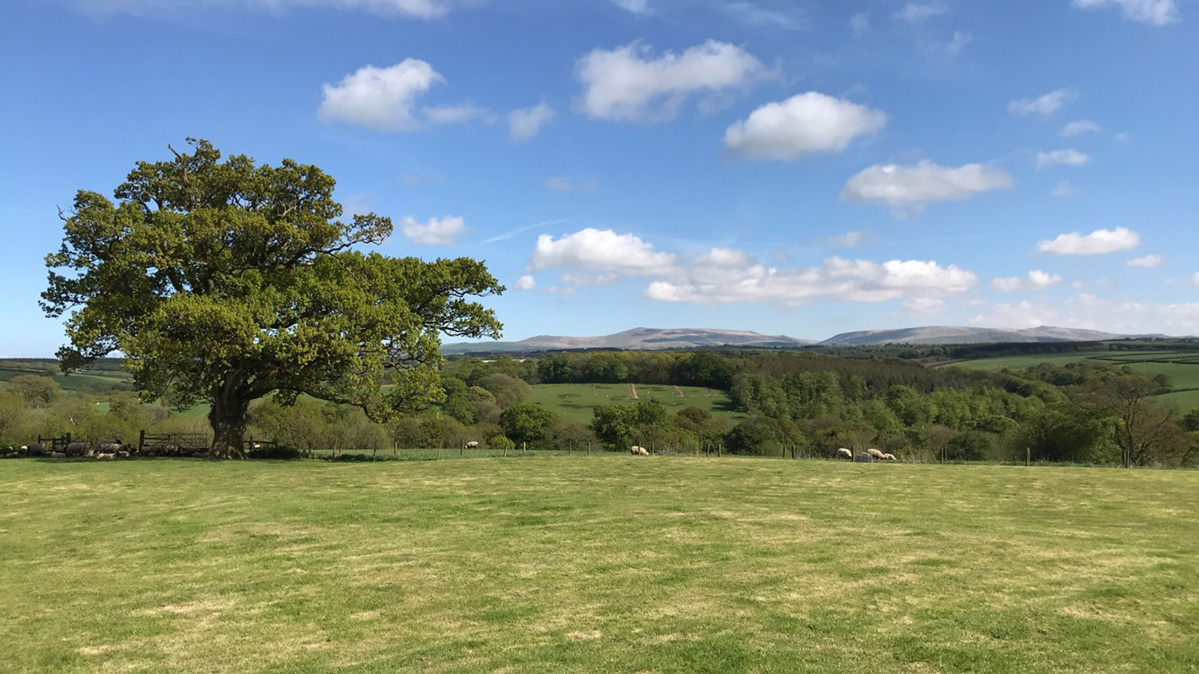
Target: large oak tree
[{"x": 222, "y": 282}]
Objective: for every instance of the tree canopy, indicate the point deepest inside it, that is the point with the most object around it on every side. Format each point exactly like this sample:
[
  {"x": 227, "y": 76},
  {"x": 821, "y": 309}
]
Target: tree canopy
[{"x": 226, "y": 281}]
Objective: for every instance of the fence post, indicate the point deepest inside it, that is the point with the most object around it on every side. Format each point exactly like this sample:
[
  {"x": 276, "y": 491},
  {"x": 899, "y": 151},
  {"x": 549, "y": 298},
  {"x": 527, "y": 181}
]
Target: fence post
[
  {"x": 1028, "y": 456},
  {"x": 141, "y": 440}
]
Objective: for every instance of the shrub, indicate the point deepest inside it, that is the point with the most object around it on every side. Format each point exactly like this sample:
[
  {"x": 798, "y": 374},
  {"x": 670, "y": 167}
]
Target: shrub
[{"x": 276, "y": 453}]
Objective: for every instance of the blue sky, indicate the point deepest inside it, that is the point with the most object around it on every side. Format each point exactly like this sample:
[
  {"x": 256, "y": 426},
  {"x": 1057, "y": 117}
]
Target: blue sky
[{"x": 800, "y": 168}]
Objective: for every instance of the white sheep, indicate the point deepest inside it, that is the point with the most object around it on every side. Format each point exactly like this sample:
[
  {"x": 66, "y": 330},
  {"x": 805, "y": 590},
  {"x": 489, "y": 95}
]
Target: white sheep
[
  {"x": 874, "y": 453},
  {"x": 638, "y": 451},
  {"x": 473, "y": 444},
  {"x": 890, "y": 457},
  {"x": 845, "y": 453}
]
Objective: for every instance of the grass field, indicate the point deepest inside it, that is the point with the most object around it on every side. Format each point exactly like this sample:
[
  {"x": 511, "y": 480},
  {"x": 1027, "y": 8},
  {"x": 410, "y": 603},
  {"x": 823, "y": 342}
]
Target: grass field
[
  {"x": 1181, "y": 367},
  {"x": 591, "y": 564},
  {"x": 72, "y": 382},
  {"x": 576, "y": 401}
]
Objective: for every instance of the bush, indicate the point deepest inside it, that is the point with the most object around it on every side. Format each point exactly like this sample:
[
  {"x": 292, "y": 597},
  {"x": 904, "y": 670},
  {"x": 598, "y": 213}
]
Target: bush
[{"x": 277, "y": 453}]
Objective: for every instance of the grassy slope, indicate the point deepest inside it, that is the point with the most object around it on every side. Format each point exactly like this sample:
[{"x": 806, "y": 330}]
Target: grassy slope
[
  {"x": 596, "y": 564},
  {"x": 71, "y": 382},
  {"x": 1183, "y": 374},
  {"x": 576, "y": 401}
]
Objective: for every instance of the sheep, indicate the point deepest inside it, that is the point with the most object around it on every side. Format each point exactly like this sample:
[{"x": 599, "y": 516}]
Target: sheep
[
  {"x": 863, "y": 457},
  {"x": 845, "y": 454},
  {"x": 473, "y": 444},
  {"x": 889, "y": 457},
  {"x": 638, "y": 451},
  {"x": 58, "y": 455},
  {"x": 874, "y": 453},
  {"x": 105, "y": 456},
  {"x": 111, "y": 446},
  {"x": 78, "y": 449}
]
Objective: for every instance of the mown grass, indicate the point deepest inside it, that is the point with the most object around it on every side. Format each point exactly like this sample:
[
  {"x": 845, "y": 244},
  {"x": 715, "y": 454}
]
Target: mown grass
[
  {"x": 577, "y": 401},
  {"x": 596, "y": 563}
]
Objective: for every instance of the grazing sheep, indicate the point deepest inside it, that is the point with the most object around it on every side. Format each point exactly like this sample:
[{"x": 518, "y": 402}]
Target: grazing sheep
[
  {"x": 36, "y": 449},
  {"x": 889, "y": 457},
  {"x": 845, "y": 453},
  {"x": 874, "y": 453},
  {"x": 638, "y": 451},
  {"x": 863, "y": 457},
  {"x": 105, "y": 456},
  {"x": 111, "y": 446},
  {"x": 473, "y": 444},
  {"x": 78, "y": 449}
]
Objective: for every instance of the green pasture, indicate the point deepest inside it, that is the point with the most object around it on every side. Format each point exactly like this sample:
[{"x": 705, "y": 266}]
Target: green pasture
[
  {"x": 576, "y": 401},
  {"x": 72, "y": 382},
  {"x": 1183, "y": 401},
  {"x": 1020, "y": 362},
  {"x": 595, "y": 564},
  {"x": 1181, "y": 367}
]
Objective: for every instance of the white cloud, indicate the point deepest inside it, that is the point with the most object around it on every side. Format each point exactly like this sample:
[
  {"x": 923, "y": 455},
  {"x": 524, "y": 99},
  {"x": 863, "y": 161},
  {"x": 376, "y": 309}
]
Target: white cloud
[
  {"x": 629, "y": 84},
  {"x": 1152, "y": 12},
  {"x": 859, "y": 24},
  {"x": 1195, "y": 279},
  {"x": 436, "y": 232},
  {"x": 1036, "y": 280},
  {"x": 421, "y": 9},
  {"x": 924, "y": 306},
  {"x": 1042, "y": 105},
  {"x": 526, "y": 282},
  {"x": 443, "y": 115},
  {"x": 1079, "y": 127},
  {"x": 1091, "y": 312},
  {"x": 525, "y": 123},
  {"x": 801, "y": 125},
  {"x": 1066, "y": 157},
  {"x": 1064, "y": 189},
  {"x": 762, "y": 17},
  {"x": 1099, "y": 242},
  {"x": 1019, "y": 315},
  {"x": 637, "y": 7},
  {"x": 728, "y": 276},
  {"x": 599, "y": 250},
  {"x": 379, "y": 98},
  {"x": 1146, "y": 262},
  {"x": 954, "y": 47},
  {"x": 919, "y": 12},
  {"x": 570, "y": 185},
  {"x": 910, "y": 186},
  {"x": 846, "y": 240}
]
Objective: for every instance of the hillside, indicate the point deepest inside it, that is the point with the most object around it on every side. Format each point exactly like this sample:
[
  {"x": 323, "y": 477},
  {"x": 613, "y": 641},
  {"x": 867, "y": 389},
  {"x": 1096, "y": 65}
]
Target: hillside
[
  {"x": 637, "y": 339},
  {"x": 966, "y": 335},
  {"x": 649, "y": 339}
]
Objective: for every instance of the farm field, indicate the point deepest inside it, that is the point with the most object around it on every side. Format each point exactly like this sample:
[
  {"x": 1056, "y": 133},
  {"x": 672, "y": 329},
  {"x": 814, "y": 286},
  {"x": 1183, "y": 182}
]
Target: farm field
[
  {"x": 1181, "y": 367},
  {"x": 585, "y": 564},
  {"x": 73, "y": 382},
  {"x": 576, "y": 401}
]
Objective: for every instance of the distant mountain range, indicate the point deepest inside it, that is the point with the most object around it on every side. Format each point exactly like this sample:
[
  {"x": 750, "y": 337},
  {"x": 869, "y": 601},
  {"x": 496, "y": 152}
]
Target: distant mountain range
[{"x": 647, "y": 339}]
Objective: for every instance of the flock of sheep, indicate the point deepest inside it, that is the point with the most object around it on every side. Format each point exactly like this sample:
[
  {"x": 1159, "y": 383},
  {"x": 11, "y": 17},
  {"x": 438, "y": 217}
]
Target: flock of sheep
[
  {"x": 865, "y": 457},
  {"x": 105, "y": 450}
]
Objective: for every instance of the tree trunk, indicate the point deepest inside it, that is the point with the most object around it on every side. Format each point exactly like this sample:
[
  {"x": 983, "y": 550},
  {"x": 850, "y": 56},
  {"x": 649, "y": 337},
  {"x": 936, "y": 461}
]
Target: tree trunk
[{"x": 228, "y": 419}]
